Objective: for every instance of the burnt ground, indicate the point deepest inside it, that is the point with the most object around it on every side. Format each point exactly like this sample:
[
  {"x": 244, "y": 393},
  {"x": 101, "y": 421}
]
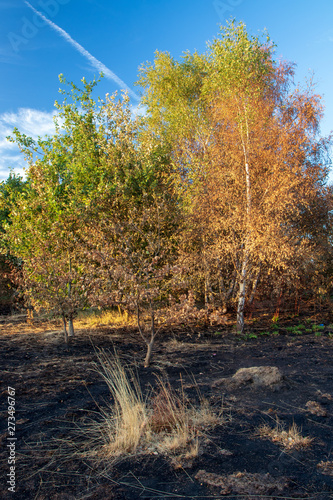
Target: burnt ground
[{"x": 57, "y": 389}]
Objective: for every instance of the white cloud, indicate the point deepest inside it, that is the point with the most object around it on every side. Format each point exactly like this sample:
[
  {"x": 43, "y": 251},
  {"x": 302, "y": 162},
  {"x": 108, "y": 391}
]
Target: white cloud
[{"x": 31, "y": 122}]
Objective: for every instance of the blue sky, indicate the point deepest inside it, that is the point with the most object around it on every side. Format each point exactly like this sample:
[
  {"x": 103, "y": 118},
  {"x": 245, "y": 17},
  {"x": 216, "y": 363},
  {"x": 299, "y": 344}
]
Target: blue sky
[{"x": 83, "y": 36}]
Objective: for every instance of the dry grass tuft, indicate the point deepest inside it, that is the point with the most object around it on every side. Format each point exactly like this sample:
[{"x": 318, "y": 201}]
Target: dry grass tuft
[
  {"x": 289, "y": 439},
  {"x": 126, "y": 422},
  {"x": 168, "y": 409},
  {"x": 172, "y": 423},
  {"x": 166, "y": 424}
]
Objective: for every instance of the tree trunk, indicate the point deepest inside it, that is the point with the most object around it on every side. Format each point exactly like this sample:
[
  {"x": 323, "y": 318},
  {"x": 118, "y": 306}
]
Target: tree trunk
[
  {"x": 150, "y": 344},
  {"x": 149, "y": 353},
  {"x": 30, "y": 315},
  {"x": 241, "y": 296},
  {"x": 244, "y": 272},
  {"x": 65, "y": 329},
  {"x": 70, "y": 328},
  {"x": 208, "y": 292}
]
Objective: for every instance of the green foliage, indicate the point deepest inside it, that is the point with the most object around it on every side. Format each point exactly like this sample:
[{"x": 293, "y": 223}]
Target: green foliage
[
  {"x": 10, "y": 192},
  {"x": 98, "y": 217},
  {"x": 46, "y": 216},
  {"x": 10, "y": 265},
  {"x": 318, "y": 328},
  {"x": 250, "y": 336},
  {"x": 300, "y": 329},
  {"x": 232, "y": 123},
  {"x": 239, "y": 64},
  {"x": 218, "y": 192}
]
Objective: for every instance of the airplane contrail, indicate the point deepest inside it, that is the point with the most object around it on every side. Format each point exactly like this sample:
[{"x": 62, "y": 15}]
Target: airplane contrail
[{"x": 93, "y": 61}]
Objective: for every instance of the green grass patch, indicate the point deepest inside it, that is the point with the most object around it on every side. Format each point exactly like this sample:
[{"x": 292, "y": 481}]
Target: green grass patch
[{"x": 318, "y": 328}]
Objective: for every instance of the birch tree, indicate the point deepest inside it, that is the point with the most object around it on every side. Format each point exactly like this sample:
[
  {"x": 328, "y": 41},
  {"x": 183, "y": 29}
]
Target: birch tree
[{"x": 249, "y": 160}]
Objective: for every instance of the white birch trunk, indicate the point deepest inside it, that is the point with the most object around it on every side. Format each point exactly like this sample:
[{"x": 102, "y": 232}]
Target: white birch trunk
[
  {"x": 244, "y": 271},
  {"x": 241, "y": 294}
]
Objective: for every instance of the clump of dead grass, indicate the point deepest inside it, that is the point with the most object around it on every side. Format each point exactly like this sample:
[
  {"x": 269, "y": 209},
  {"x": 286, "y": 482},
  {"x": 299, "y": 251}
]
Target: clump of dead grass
[
  {"x": 288, "y": 439},
  {"x": 176, "y": 424},
  {"x": 126, "y": 421},
  {"x": 164, "y": 423}
]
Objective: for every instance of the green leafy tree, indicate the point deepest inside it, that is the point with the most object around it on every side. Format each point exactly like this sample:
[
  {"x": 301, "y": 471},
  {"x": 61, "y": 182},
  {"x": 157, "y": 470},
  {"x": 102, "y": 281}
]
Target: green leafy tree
[
  {"x": 96, "y": 225},
  {"x": 130, "y": 238},
  {"x": 10, "y": 266},
  {"x": 249, "y": 160},
  {"x": 63, "y": 173}
]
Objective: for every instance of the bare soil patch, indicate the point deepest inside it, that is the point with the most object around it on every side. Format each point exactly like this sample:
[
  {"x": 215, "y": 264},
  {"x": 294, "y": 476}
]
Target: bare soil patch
[{"x": 57, "y": 390}]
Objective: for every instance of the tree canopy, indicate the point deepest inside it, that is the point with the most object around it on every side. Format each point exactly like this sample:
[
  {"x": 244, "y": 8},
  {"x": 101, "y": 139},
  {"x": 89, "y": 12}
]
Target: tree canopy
[
  {"x": 246, "y": 145},
  {"x": 217, "y": 195}
]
